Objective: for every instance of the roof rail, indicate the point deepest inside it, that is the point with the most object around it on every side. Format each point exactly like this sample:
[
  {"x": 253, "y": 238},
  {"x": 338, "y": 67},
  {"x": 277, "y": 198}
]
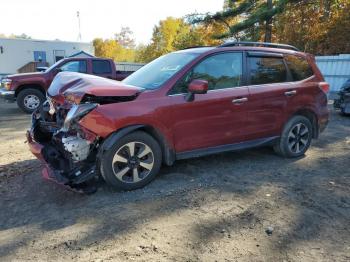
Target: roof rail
[
  {"x": 264, "y": 44},
  {"x": 196, "y": 46}
]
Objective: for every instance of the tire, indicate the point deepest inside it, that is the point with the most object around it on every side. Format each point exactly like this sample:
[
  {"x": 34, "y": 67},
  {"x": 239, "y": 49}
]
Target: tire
[
  {"x": 296, "y": 137},
  {"x": 30, "y": 99},
  {"x": 121, "y": 174}
]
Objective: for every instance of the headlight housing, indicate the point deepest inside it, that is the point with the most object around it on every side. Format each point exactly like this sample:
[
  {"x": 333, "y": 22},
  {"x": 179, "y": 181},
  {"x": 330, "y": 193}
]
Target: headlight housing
[
  {"x": 6, "y": 83},
  {"x": 75, "y": 113}
]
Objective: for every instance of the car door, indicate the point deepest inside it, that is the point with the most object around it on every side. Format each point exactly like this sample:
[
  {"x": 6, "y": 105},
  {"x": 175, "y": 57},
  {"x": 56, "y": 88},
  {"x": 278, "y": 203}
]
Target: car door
[
  {"x": 271, "y": 90},
  {"x": 101, "y": 68},
  {"x": 218, "y": 117}
]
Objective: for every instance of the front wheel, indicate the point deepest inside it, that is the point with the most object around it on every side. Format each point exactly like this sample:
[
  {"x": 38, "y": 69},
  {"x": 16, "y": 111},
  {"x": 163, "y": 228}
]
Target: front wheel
[
  {"x": 30, "y": 99},
  {"x": 132, "y": 162},
  {"x": 296, "y": 137}
]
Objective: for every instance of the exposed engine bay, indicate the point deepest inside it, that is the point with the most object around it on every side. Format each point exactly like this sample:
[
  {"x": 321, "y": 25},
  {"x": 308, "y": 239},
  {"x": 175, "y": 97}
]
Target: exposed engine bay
[{"x": 68, "y": 149}]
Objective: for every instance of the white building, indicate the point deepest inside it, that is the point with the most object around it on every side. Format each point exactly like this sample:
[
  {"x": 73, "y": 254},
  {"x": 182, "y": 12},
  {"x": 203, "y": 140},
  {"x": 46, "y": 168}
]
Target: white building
[{"x": 16, "y": 53}]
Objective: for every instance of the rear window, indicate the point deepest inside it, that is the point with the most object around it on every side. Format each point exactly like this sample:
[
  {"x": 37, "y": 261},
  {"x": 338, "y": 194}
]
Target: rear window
[
  {"x": 101, "y": 67},
  {"x": 267, "y": 70},
  {"x": 298, "y": 67}
]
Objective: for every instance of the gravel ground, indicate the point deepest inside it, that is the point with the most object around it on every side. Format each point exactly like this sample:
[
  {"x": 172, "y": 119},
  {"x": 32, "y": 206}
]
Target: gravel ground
[{"x": 242, "y": 206}]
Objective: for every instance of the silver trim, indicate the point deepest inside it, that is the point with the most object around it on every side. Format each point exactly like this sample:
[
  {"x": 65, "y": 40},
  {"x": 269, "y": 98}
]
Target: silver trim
[
  {"x": 4, "y": 92},
  {"x": 239, "y": 101}
]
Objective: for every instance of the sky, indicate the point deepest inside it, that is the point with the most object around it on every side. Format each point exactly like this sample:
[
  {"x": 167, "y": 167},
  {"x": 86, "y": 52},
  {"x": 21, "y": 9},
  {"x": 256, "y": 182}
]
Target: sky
[{"x": 49, "y": 20}]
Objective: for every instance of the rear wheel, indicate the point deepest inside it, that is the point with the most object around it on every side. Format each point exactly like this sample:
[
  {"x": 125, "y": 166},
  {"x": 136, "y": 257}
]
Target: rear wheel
[
  {"x": 30, "y": 99},
  {"x": 296, "y": 137},
  {"x": 132, "y": 162}
]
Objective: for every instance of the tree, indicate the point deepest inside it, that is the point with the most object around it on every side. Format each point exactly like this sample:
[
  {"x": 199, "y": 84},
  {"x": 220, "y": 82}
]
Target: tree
[
  {"x": 110, "y": 48},
  {"x": 174, "y": 34},
  {"x": 318, "y": 27},
  {"x": 125, "y": 38},
  {"x": 163, "y": 39},
  {"x": 246, "y": 16},
  {"x": 21, "y": 36}
]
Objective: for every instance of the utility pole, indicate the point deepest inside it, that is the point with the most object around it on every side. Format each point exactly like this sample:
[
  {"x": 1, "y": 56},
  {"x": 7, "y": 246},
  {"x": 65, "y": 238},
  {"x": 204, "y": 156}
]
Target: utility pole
[{"x": 79, "y": 35}]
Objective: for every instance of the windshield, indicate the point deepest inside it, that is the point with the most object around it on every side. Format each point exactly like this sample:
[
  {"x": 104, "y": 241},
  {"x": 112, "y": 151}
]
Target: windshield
[{"x": 157, "y": 72}]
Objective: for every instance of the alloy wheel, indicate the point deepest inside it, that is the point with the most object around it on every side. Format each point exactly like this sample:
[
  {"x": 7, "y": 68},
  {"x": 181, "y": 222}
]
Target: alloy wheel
[
  {"x": 133, "y": 162},
  {"x": 31, "y": 102},
  {"x": 298, "y": 138}
]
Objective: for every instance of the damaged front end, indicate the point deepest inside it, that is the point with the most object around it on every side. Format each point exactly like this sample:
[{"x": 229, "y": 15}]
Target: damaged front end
[{"x": 68, "y": 150}]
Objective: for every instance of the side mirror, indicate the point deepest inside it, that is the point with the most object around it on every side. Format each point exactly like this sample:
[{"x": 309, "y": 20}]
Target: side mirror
[{"x": 196, "y": 87}]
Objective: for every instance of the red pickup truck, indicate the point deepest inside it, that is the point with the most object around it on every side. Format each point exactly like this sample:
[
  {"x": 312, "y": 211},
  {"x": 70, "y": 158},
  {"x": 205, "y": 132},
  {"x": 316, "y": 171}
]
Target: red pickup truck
[{"x": 29, "y": 89}]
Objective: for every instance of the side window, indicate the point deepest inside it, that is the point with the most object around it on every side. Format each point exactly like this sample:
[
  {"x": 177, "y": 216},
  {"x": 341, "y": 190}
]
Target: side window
[
  {"x": 221, "y": 71},
  {"x": 74, "y": 66},
  {"x": 298, "y": 67},
  {"x": 101, "y": 67},
  {"x": 266, "y": 70}
]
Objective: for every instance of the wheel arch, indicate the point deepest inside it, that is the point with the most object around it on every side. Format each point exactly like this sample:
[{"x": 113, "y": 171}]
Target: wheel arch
[
  {"x": 312, "y": 116},
  {"x": 32, "y": 86},
  {"x": 168, "y": 153}
]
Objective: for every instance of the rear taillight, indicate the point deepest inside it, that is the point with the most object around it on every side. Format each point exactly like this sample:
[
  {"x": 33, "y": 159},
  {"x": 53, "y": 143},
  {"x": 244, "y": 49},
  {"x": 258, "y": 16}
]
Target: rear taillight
[{"x": 324, "y": 86}]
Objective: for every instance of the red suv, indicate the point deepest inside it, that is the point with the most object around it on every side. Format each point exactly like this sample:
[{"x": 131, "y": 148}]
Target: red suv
[{"x": 185, "y": 104}]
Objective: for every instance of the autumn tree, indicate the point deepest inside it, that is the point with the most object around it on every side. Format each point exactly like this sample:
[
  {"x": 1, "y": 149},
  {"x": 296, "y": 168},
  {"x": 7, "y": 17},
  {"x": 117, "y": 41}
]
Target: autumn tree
[
  {"x": 174, "y": 34},
  {"x": 110, "y": 48},
  {"x": 319, "y": 27}
]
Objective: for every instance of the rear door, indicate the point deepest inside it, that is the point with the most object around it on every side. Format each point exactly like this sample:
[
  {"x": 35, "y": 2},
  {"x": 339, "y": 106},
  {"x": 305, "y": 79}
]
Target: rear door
[
  {"x": 218, "y": 117},
  {"x": 271, "y": 90},
  {"x": 102, "y": 68}
]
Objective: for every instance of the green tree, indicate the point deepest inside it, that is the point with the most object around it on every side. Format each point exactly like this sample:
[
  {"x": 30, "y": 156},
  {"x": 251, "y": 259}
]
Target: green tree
[{"x": 246, "y": 18}]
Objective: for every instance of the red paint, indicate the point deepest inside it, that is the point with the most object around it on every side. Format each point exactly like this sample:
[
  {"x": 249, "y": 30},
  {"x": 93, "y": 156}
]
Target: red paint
[
  {"x": 198, "y": 86},
  {"x": 212, "y": 119},
  {"x": 73, "y": 86}
]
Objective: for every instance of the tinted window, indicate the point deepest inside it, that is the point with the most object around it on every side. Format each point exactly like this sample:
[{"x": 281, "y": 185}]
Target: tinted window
[
  {"x": 101, "y": 67},
  {"x": 74, "y": 66},
  {"x": 267, "y": 70},
  {"x": 298, "y": 67},
  {"x": 221, "y": 71}
]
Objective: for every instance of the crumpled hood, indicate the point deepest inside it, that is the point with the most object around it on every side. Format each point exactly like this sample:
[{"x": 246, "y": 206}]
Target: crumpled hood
[{"x": 78, "y": 84}]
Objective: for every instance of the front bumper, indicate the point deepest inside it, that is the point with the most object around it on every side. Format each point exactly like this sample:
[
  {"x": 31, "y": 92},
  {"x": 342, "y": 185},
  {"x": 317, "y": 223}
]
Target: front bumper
[
  {"x": 76, "y": 179},
  {"x": 7, "y": 95}
]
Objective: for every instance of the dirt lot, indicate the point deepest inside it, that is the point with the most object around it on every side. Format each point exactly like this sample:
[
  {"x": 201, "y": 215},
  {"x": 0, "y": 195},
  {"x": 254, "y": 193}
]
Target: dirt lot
[{"x": 215, "y": 208}]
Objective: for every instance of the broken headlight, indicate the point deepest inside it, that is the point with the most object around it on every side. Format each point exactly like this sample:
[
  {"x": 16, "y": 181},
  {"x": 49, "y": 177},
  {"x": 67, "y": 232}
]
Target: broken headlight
[{"x": 77, "y": 112}]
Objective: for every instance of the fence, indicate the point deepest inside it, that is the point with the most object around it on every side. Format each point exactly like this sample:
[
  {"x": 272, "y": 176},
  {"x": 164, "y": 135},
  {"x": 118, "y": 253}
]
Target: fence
[
  {"x": 125, "y": 66},
  {"x": 335, "y": 69}
]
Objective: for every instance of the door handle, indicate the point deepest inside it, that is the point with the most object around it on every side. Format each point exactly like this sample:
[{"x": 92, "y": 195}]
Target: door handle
[
  {"x": 239, "y": 101},
  {"x": 291, "y": 93}
]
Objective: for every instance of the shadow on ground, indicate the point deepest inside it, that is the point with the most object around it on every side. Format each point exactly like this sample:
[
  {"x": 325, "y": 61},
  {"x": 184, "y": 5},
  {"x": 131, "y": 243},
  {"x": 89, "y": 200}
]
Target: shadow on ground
[{"x": 221, "y": 200}]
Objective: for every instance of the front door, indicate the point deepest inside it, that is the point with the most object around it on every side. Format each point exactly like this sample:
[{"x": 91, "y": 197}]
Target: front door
[{"x": 218, "y": 117}]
